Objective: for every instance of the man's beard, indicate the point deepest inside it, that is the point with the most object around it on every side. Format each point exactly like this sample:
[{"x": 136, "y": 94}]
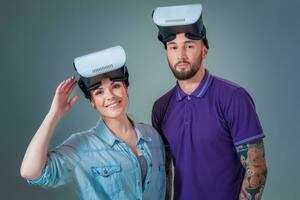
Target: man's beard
[{"x": 185, "y": 75}]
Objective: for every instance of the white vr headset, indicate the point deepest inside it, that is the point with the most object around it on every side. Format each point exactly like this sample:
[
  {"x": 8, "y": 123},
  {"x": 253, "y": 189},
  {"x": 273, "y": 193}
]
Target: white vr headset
[
  {"x": 108, "y": 63},
  {"x": 100, "y": 62},
  {"x": 180, "y": 19}
]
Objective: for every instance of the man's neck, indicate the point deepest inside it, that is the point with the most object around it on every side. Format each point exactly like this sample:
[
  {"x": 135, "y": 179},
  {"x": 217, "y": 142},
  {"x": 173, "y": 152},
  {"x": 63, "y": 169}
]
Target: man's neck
[{"x": 188, "y": 86}]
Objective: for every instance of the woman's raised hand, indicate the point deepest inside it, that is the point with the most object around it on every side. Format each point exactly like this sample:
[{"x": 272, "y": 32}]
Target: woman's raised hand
[{"x": 61, "y": 103}]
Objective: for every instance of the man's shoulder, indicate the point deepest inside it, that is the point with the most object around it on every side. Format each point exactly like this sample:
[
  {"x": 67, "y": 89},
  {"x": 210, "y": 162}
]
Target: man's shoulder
[
  {"x": 228, "y": 90},
  {"x": 222, "y": 83},
  {"x": 225, "y": 88},
  {"x": 164, "y": 99}
]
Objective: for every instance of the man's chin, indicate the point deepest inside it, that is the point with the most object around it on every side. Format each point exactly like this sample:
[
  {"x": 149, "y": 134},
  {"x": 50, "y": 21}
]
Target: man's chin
[{"x": 183, "y": 76}]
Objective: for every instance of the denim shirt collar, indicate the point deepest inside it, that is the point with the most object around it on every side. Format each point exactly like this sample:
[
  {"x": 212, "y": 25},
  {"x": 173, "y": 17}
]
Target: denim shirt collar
[
  {"x": 199, "y": 91},
  {"x": 106, "y": 135}
]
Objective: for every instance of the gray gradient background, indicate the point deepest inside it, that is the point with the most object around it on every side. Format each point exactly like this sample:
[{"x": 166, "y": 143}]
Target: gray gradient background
[{"x": 254, "y": 43}]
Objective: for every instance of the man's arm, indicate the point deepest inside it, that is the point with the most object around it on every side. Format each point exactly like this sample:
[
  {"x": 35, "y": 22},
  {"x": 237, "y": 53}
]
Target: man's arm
[
  {"x": 156, "y": 120},
  {"x": 252, "y": 157},
  {"x": 169, "y": 174}
]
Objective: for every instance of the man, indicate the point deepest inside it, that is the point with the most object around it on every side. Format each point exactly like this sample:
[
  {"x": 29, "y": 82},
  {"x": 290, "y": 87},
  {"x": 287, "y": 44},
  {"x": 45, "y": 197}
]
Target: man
[{"x": 210, "y": 124}]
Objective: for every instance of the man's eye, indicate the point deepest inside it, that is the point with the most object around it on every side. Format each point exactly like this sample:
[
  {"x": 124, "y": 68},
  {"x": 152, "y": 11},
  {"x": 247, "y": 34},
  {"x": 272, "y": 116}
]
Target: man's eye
[
  {"x": 173, "y": 47},
  {"x": 189, "y": 46}
]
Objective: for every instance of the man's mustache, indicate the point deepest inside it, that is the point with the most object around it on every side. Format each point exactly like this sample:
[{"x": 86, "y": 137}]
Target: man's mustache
[{"x": 182, "y": 62}]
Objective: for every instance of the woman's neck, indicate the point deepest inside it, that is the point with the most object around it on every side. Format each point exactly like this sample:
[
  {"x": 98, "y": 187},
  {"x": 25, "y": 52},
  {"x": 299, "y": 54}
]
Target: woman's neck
[{"x": 119, "y": 126}]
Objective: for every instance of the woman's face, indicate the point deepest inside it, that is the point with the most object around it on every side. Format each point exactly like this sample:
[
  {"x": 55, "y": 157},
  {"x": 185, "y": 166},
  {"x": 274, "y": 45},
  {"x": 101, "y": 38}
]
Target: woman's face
[{"x": 110, "y": 98}]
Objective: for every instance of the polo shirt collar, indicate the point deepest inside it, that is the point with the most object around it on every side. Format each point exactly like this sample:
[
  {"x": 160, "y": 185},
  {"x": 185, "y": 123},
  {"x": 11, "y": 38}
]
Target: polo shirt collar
[
  {"x": 199, "y": 91},
  {"x": 107, "y": 136}
]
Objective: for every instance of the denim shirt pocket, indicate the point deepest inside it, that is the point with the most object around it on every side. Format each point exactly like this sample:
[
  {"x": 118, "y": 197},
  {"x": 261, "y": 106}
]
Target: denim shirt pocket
[{"x": 107, "y": 179}]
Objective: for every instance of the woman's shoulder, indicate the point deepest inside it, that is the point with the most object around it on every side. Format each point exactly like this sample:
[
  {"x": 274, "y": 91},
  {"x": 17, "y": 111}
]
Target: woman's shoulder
[
  {"x": 79, "y": 139},
  {"x": 148, "y": 130},
  {"x": 146, "y": 127}
]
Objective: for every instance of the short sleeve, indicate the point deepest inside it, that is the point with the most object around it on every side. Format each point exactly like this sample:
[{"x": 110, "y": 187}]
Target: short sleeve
[
  {"x": 242, "y": 118},
  {"x": 155, "y": 120},
  {"x": 60, "y": 165}
]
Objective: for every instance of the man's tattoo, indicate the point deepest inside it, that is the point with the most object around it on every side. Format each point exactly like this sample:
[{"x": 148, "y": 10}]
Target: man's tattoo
[{"x": 252, "y": 157}]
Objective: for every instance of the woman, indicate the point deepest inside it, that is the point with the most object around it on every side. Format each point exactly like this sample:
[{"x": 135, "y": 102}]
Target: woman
[{"x": 116, "y": 159}]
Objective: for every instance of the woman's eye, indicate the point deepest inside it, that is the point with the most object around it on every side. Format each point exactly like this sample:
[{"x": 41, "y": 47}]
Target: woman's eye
[
  {"x": 117, "y": 85},
  {"x": 98, "y": 92}
]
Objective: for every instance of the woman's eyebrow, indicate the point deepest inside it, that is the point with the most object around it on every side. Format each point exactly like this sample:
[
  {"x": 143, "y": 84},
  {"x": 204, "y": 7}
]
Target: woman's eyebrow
[{"x": 98, "y": 88}]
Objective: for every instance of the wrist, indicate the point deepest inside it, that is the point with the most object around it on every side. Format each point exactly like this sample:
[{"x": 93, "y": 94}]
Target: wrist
[{"x": 54, "y": 115}]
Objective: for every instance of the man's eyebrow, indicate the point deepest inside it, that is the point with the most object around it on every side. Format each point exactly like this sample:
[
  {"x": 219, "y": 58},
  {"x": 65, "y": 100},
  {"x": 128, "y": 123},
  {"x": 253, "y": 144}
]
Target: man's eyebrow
[
  {"x": 171, "y": 43},
  {"x": 185, "y": 42},
  {"x": 189, "y": 41}
]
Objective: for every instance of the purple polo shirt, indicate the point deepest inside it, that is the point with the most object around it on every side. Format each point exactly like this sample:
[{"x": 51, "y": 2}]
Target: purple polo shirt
[{"x": 202, "y": 130}]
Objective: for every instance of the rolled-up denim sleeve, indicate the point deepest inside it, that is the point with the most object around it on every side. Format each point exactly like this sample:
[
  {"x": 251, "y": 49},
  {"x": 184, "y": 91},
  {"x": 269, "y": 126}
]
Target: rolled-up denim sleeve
[{"x": 59, "y": 168}]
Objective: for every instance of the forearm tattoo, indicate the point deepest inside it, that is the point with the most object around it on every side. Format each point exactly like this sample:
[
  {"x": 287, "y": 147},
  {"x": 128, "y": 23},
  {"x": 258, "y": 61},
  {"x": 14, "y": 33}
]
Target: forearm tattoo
[{"x": 252, "y": 157}]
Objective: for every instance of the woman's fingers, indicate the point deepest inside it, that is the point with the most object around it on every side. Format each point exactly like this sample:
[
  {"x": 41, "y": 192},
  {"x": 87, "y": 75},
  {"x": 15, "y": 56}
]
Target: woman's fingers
[
  {"x": 70, "y": 87},
  {"x": 73, "y": 101},
  {"x": 67, "y": 84},
  {"x": 59, "y": 86}
]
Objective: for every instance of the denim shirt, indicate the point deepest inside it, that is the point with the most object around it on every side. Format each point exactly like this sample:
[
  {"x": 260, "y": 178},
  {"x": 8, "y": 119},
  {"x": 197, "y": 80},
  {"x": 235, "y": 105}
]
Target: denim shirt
[{"x": 104, "y": 167}]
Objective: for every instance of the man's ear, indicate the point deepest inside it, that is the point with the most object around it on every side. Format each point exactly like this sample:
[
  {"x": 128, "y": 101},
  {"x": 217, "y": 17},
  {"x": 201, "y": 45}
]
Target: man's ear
[{"x": 204, "y": 52}]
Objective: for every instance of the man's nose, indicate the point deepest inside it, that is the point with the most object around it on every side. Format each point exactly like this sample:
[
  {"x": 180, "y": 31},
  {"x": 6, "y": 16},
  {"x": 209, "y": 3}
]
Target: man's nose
[{"x": 181, "y": 54}]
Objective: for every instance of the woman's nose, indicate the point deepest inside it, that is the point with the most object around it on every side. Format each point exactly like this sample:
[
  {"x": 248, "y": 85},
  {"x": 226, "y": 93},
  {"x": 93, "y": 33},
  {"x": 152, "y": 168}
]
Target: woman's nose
[{"x": 109, "y": 94}]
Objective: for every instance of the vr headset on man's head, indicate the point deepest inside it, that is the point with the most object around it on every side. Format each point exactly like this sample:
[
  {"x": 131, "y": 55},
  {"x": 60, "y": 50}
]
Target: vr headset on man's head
[{"x": 186, "y": 19}]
